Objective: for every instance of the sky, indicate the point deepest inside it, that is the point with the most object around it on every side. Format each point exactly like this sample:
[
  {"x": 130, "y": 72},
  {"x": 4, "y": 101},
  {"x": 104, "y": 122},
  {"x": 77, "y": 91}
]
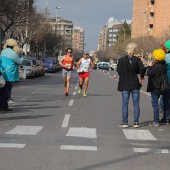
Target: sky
[{"x": 91, "y": 15}]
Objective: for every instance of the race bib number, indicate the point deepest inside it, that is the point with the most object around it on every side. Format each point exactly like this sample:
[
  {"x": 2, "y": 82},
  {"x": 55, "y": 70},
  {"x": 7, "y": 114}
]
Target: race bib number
[
  {"x": 86, "y": 68},
  {"x": 68, "y": 66}
]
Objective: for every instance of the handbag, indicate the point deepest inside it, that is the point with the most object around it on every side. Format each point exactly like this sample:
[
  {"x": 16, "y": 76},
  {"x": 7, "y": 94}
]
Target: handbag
[{"x": 2, "y": 80}]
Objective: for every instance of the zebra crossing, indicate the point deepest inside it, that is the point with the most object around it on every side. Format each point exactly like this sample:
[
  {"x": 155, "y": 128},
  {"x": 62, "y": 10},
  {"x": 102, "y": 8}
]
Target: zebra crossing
[
  {"x": 81, "y": 133},
  {"x": 21, "y": 130},
  {"x": 85, "y": 139},
  {"x": 141, "y": 136}
]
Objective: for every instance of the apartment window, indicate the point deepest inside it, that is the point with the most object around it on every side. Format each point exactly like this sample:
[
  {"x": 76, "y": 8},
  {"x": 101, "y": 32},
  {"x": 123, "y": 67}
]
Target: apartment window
[
  {"x": 152, "y": 2},
  {"x": 151, "y": 27},
  {"x": 151, "y": 14}
]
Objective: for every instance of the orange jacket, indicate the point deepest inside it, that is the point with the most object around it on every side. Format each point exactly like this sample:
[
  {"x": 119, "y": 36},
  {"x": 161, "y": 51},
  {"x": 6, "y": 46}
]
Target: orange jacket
[{"x": 68, "y": 62}]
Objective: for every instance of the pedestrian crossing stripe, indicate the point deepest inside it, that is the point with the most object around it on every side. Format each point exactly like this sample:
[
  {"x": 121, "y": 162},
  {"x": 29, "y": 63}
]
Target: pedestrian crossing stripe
[
  {"x": 135, "y": 134},
  {"x": 12, "y": 145},
  {"x": 76, "y": 147},
  {"x": 82, "y": 132},
  {"x": 24, "y": 130},
  {"x": 145, "y": 150}
]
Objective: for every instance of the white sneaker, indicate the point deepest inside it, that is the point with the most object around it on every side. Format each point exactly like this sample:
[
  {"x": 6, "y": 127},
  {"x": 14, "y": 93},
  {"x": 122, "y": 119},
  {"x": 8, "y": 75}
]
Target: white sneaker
[{"x": 10, "y": 101}]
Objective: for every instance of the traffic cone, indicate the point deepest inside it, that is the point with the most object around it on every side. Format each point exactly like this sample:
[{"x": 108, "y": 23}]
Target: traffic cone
[
  {"x": 114, "y": 76},
  {"x": 108, "y": 73}
]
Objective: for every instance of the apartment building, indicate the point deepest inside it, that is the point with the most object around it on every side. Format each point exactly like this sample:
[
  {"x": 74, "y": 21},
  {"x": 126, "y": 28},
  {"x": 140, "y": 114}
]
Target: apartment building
[
  {"x": 109, "y": 33},
  {"x": 63, "y": 28},
  {"x": 151, "y": 18},
  {"x": 78, "y": 39}
]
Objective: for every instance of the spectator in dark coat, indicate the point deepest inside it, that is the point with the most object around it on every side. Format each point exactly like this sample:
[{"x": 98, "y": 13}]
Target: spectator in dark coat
[
  {"x": 128, "y": 69},
  {"x": 155, "y": 73}
]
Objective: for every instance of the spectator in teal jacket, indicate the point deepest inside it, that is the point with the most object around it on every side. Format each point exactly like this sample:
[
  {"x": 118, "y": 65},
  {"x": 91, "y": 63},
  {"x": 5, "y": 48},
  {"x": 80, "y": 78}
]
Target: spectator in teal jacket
[{"x": 9, "y": 63}]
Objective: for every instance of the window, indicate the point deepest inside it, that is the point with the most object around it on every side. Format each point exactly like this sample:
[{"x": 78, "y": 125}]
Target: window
[
  {"x": 151, "y": 27},
  {"x": 151, "y": 14},
  {"x": 152, "y": 2}
]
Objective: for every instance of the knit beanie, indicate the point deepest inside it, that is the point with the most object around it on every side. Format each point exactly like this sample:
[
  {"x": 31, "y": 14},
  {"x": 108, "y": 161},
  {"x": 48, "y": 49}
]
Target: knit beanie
[
  {"x": 167, "y": 44},
  {"x": 159, "y": 54}
]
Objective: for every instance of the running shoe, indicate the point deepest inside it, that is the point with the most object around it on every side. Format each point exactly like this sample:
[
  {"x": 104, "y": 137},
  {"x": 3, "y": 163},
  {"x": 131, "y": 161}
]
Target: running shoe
[
  {"x": 123, "y": 125},
  {"x": 79, "y": 91},
  {"x": 154, "y": 124},
  {"x": 84, "y": 95},
  {"x": 66, "y": 92},
  {"x": 164, "y": 122},
  {"x": 10, "y": 101},
  {"x": 136, "y": 124}
]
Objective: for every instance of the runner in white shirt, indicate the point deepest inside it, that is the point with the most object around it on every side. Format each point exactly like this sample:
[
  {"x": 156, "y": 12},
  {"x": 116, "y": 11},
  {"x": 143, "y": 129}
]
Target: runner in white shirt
[{"x": 83, "y": 68}]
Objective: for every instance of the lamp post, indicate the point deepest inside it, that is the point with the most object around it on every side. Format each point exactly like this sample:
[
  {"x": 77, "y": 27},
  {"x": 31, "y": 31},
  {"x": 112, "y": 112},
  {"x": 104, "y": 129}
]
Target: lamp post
[
  {"x": 26, "y": 29},
  {"x": 57, "y": 13},
  {"x": 46, "y": 6},
  {"x": 144, "y": 24}
]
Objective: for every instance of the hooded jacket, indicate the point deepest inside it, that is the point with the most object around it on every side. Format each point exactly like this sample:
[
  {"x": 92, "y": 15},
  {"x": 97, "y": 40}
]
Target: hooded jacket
[
  {"x": 10, "y": 60},
  {"x": 155, "y": 74},
  {"x": 128, "y": 73}
]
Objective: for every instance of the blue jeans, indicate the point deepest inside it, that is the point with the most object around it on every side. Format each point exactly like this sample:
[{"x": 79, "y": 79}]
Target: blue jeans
[
  {"x": 155, "y": 105},
  {"x": 166, "y": 101},
  {"x": 125, "y": 102},
  {"x": 161, "y": 103}
]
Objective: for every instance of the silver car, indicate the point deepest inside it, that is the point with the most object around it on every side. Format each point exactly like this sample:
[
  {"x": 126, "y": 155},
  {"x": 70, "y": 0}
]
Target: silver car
[{"x": 29, "y": 69}]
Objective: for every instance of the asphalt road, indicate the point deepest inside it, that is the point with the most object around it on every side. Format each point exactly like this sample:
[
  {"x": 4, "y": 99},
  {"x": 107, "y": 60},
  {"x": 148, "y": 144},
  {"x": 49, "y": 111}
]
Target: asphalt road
[{"x": 50, "y": 131}]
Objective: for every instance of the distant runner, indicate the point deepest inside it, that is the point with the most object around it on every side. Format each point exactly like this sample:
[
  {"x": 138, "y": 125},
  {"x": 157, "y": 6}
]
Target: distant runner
[
  {"x": 67, "y": 63},
  {"x": 83, "y": 68}
]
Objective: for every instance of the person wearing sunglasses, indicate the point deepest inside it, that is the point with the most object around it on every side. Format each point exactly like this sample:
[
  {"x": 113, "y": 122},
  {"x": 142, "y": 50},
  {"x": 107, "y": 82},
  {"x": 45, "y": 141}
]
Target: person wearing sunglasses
[
  {"x": 83, "y": 68},
  {"x": 67, "y": 64}
]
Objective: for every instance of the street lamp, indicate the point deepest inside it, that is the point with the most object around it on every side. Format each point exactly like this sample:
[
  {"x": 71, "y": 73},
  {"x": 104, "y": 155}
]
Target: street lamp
[
  {"x": 144, "y": 24},
  {"x": 57, "y": 13}
]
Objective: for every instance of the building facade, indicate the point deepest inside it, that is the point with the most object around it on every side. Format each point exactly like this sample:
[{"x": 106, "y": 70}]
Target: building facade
[
  {"x": 62, "y": 28},
  {"x": 108, "y": 35},
  {"x": 78, "y": 39},
  {"x": 151, "y": 18}
]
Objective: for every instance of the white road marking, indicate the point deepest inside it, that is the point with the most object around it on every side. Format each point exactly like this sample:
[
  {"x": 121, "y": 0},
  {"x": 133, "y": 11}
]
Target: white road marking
[
  {"x": 82, "y": 148},
  {"x": 71, "y": 102},
  {"x": 12, "y": 145},
  {"x": 141, "y": 144},
  {"x": 25, "y": 130},
  {"x": 144, "y": 150},
  {"x": 29, "y": 95},
  {"x": 75, "y": 87},
  {"x": 66, "y": 120},
  {"x": 138, "y": 134},
  {"x": 74, "y": 93},
  {"x": 82, "y": 132}
]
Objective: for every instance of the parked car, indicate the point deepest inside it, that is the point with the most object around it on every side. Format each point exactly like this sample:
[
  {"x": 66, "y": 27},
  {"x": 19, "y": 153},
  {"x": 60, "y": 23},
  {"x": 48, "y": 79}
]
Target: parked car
[
  {"x": 104, "y": 65},
  {"x": 36, "y": 66},
  {"x": 49, "y": 64},
  {"x": 42, "y": 67},
  {"x": 28, "y": 68},
  {"x": 114, "y": 66}
]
